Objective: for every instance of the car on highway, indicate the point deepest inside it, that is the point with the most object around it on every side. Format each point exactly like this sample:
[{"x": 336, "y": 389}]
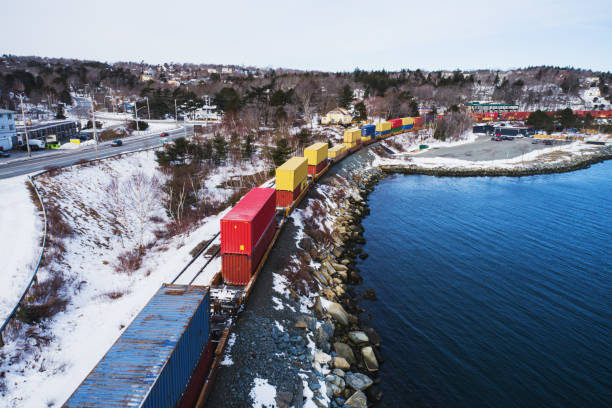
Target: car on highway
[
  {"x": 4, "y": 154},
  {"x": 117, "y": 143},
  {"x": 164, "y": 134}
]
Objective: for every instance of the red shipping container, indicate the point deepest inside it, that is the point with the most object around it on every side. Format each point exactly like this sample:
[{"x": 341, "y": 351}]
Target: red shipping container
[
  {"x": 242, "y": 227},
  {"x": 286, "y": 198},
  {"x": 395, "y": 123},
  {"x": 314, "y": 170},
  {"x": 419, "y": 121},
  {"x": 238, "y": 269}
]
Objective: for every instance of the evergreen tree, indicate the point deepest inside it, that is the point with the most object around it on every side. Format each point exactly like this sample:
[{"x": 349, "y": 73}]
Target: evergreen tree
[
  {"x": 303, "y": 137},
  {"x": 60, "y": 112},
  {"x": 346, "y": 97},
  {"x": 541, "y": 121},
  {"x": 220, "y": 146},
  {"x": 281, "y": 152},
  {"x": 414, "y": 108},
  {"x": 360, "y": 111},
  {"x": 567, "y": 118},
  {"x": 248, "y": 148}
]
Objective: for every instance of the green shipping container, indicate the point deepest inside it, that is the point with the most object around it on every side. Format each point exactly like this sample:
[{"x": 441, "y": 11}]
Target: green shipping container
[{"x": 423, "y": 147}]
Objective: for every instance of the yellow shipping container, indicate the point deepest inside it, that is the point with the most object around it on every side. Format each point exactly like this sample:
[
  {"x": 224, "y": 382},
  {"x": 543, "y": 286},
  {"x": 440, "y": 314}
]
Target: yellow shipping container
[
  {"x": 291, "y": 173},
  {"x": 365, "y": 138},
  {"x": 383, "y": 126},
  {"x": 316, "y": 153},
  {"x": 336, "y": 151},
  {"x": 407, "y": 121},
  {"x": 352, "y": 135},
  {"x": 349, "y": 145}
]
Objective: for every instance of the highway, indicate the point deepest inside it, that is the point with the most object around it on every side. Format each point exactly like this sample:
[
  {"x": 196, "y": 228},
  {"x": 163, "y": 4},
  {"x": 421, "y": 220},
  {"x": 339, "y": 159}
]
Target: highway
[{"x": 62, "y": 158}]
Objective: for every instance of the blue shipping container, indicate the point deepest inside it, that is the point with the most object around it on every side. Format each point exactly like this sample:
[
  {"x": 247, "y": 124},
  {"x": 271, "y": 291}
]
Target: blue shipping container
[
  {"x": 368, "y": 130},
  {"x": 151, "y": 363},
  {"x": 407, "y": 127}
]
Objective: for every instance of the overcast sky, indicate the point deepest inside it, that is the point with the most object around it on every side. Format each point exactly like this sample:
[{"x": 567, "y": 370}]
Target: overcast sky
[{"x": 319, "y": 35}]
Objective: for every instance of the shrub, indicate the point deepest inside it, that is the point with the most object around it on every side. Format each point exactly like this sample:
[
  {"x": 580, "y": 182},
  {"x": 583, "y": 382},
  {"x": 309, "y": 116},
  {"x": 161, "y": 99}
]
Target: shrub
[{"x": 129, "y": 261}]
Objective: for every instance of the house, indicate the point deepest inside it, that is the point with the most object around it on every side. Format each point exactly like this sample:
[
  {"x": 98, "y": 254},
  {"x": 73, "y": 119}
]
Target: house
[
  {"x": 338, "y": 116},
  {"x": 174, "y": 82},
  {"x": 226, "y": 70},
  {"x": 212, "y": 71},
  {"x": 146, "y": 77},
  {"x": 7, "y": 129}
]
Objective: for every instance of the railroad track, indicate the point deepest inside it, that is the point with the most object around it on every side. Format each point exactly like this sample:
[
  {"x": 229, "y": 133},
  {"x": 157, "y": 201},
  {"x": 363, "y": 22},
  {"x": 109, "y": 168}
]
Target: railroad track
[{"x": 200, "y": 261}]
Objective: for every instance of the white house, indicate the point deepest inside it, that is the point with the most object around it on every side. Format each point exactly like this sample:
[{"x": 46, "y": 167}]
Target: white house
[
  {"x": 7, "y": 129},
  {"x": 226, "y": 70}
]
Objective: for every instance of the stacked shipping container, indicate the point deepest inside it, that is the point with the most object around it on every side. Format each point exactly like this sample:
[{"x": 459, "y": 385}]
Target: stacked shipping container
[
  {"x": 407, "y": 123},
  {"x": 368, "y": 132},
  {"x": 352, "y": 137},
  {"x": 246, "y": 232},
  {"x": 383, "y": 129},
  {"x": 336, "y": 151},
  {"x": 291, "y": 180},
  {"x": 153, "y": 361},
  {"x": 419, "y": 122},
  {"x": 396, "y": 126},
  {"x": 316, "y": 155}
]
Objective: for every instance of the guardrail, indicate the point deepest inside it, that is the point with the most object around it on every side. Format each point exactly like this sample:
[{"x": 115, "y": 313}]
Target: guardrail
[{"x": 42, "y": 251}]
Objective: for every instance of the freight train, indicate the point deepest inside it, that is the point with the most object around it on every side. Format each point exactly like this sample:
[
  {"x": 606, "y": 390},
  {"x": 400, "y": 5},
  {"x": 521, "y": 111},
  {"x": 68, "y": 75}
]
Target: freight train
[
  {"x": 170, "y": 354},
  {"x": 494, "y": 116}
]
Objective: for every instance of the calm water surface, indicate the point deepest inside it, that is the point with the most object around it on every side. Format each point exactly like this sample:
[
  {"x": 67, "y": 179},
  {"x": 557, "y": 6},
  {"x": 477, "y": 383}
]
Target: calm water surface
[{"x": 493, "y": 292}]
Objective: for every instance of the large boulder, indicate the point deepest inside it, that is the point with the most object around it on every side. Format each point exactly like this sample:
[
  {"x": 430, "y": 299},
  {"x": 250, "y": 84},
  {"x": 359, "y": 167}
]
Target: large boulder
[
  {"x": 344, "y": 350},
  {"x": 338, "y": 313},
  {"x": 369, "y": 358},
  {"x": 358, "y": 381},
  {"x": 321, "y": 358},
  {"x": 358, "y": 337},
  {"x": 341, "y": 363},
  {"x": 357, "y": 400}
]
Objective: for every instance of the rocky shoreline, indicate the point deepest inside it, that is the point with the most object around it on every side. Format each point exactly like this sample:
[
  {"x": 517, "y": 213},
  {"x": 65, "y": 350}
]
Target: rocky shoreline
[{"x": 576, "y": 162}]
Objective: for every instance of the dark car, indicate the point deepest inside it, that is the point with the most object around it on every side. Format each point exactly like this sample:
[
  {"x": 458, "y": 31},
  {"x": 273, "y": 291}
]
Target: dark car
[
  {"x": 4, "y": 154},
  {"x": 117, "y": 142},
  {"x": 163, "y": 134}
]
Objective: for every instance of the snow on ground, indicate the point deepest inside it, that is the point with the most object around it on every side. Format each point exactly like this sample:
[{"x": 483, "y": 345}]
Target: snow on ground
[
  {"x": 102, "y": 301},
  {"x": 227, "y": 359},
  {"x": 263, "y": 394},
  {"x": 556, "y": 153},
  {"x": 21, "y": 229}
]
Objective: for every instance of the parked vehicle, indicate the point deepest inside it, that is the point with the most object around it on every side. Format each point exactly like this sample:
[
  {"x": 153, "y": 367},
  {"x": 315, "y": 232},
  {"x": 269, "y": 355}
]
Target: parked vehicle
[
  {"x": 36, "y": 144},
  {"x": 117, "y": 143},
  {"x": 4, "y": 154},
  {"x": 164, "y": 134},
  {"x": 52, "y": 142}
]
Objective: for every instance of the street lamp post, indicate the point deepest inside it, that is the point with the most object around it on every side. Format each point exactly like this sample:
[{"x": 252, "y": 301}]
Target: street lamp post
[
  {"x": 25, "y": 126},
  {"x": 93, "y": 114}
]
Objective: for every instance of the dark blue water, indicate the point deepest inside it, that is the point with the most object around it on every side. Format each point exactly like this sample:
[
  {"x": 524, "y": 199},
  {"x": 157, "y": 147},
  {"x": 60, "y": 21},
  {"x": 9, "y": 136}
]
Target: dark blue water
[{"x": 493, "y": 292}]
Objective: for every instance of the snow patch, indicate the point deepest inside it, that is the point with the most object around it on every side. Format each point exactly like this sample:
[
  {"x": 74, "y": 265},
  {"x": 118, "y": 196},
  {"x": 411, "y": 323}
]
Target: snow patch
[{"x": 263, "y": 394}]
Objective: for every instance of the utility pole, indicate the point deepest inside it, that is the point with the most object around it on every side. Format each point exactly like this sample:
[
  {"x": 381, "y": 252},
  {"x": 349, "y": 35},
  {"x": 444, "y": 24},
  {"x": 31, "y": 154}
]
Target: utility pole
[
  {"x": 148, "y": 110},
  {"x": 136, "y": 111},
  {"x": 25, "y": 126},
  {"x": 93, "y": 114},
  {"x": 175, "y": 113}
]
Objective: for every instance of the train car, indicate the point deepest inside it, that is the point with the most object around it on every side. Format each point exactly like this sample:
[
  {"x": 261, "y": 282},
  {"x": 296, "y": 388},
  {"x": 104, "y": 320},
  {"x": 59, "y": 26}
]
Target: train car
[
  {"x": 396, "y": 126},
  {"x": 419, "y": 122},
  {"x": 351, "y": 138},
  {"x": 246, "y": 232},
  {"x": 383, "y": 129},
  {"x": 407, "y": 123},
  {"x": 368, "y": 132},
  {"x": 152, "y": 364},
  {"x": 336, "y": 151},
  {"x": 291, "y": 180},
  {"x": 316, "y": 155}
]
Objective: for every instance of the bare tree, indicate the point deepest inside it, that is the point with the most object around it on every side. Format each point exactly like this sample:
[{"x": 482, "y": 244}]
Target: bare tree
[
  {"x": 304, "y": 91},
  {"x": 133, "y": 202}
]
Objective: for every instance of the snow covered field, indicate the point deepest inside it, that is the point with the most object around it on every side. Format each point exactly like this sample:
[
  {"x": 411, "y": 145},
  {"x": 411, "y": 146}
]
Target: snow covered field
[
  {"x": 102, "y": 298},
  {"x": 21, "y": 230}
]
